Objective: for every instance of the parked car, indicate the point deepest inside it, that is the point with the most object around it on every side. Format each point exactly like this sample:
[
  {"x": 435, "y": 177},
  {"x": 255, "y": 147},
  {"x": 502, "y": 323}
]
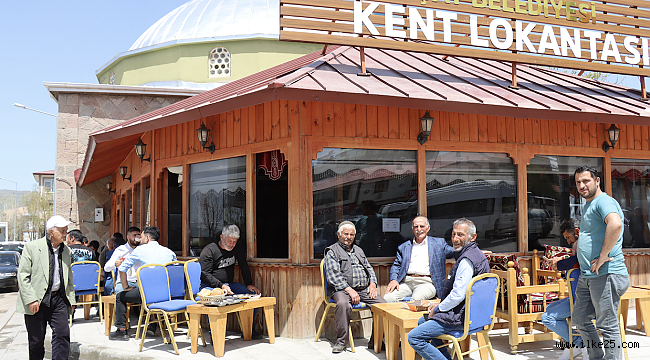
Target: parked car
[
  {"x": 9, "y": 261},
  {"x": 12, "y": 246}
]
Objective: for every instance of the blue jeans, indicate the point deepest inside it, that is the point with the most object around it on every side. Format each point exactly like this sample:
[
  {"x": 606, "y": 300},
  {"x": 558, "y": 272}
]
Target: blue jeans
[
  {"x": 422, "y": 336},
  {"x": 108, "y": 286},
  {"x": 555, "y": 319},
  {"x": 600, "y": 297}
]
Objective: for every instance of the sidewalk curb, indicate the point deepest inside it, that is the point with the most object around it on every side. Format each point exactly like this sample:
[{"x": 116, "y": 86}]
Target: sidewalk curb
[
  {"x": 94, "y": 352},
  {"x": 7, "y": 316}
]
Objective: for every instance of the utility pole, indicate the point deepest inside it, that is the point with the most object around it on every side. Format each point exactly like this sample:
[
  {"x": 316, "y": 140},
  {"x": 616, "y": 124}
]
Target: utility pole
[{"x": 15, "y": 205}]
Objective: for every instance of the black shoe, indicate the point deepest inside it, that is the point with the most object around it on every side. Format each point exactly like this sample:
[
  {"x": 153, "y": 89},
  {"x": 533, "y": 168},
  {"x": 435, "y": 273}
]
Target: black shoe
[
  {"x": 151, "y": 331},
  {"x": 371, "y": 345},
  {"x": 118, "y": 334},
  {"x": 256, "y": 336},
  {"x": 338, "y": 348}
]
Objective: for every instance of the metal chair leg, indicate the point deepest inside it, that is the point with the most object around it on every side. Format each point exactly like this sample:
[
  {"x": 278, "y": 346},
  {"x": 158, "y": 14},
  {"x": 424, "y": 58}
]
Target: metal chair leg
[
  {"x": 351, "y": 339},
  {"x": 322, "y": 322},
  {"x": 171, "y": 332},
  {"x": 146, "y": 323}
]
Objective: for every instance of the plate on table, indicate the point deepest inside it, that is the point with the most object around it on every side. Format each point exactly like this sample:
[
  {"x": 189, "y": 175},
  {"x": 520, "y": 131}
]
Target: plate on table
[{"x": 224, "y": 302}]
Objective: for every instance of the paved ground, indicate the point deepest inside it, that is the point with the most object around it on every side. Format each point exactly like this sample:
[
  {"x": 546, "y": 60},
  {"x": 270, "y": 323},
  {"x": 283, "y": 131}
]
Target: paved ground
[{"x": 89, "y": 342}]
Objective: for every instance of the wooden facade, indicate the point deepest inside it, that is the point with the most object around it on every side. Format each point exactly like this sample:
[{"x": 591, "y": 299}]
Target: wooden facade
[{"x": 300, "y": 129}]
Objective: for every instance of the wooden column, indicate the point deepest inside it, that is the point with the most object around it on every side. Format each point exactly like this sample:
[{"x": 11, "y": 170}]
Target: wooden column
[
  {"x": 521, "y": 160},
  {"x": 185, "y": 217},
  {"x": 297, "y": 250},
  {"x": 422, "y": 180},
  {"x": 250, "y": 205}
]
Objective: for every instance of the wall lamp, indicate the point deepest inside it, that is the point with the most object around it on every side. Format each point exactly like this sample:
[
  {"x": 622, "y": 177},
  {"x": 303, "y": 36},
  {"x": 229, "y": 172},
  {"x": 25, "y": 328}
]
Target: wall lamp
[
  {"x": 140, "y": 149},
  {"x": 203, "y": 133},
  {"x": 123, "y": 173},
  {"x": 108, "y": 187},
  {"x": 426, "y": 123},
  {"x": 612, "y": 135}
]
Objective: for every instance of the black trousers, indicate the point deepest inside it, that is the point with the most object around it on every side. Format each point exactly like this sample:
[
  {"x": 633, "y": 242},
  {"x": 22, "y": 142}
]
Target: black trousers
[
  {"x": 131, "y": 296},
  {"x": 57, "y": 316}
]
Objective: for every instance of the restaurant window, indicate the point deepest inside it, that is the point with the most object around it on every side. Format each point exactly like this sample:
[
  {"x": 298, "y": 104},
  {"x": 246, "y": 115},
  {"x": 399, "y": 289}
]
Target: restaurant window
[
  {"x": 553, "y": 196},
  {"x": 217, "y": 198},
  {"x": 372, "y": 188},
  {"x": 631, "y": 188},
  {"x": 481, "y": 187},
  {"x": 129, "y": 209},
  {"x": 175, "y": 209}
]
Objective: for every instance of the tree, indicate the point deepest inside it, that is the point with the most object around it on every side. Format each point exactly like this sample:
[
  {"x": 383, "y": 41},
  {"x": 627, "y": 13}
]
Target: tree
[{"x": 39, "y": 208}]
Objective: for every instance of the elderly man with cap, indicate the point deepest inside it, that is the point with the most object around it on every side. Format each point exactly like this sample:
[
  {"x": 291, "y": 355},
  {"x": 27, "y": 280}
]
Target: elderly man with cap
[
  {"x": 46, "y": 292},
  {"x": 351, "y": 280}
]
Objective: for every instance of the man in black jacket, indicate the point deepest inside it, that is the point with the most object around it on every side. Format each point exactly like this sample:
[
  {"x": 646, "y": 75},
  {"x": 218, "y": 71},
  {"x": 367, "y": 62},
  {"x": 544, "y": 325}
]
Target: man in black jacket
[{"x": 218, "y": 264}]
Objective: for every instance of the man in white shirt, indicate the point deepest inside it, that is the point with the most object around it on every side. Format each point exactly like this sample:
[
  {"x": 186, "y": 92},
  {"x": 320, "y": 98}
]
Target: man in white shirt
[
  {"x": 419, "y": 267},
  {"x": 121, "y": 252}
]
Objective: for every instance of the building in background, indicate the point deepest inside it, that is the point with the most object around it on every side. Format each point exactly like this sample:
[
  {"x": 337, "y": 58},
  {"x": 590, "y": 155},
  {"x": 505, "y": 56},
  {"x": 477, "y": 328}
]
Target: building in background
[
  {"x": 198, "y": 46},
  {"x": 45, "y": 181}
]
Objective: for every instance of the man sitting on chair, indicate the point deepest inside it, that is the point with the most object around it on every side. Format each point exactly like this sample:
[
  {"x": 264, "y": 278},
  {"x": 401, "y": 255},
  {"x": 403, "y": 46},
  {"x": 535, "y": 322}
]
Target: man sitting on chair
[
  {"x": 557, "y": 312},
  {"x": 419, "y": 268},
  {"x": 450, "y": 313},
  {"x": 351, "y": 279},
  {"x": 149, "y": 252}
]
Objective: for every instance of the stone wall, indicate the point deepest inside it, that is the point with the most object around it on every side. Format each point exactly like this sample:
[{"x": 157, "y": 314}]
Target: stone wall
[{"x": 79, "y": 115}]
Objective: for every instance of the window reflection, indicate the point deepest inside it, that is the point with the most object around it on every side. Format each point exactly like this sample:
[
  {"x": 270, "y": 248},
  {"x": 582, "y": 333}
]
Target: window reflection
[
  {"x": 217, "y": 198},
  {"x": 630, "y": 187},
  {"x": 372, "y": 188},
  {"x": 479, "y": 186},
  {"x": 553, "y": 197}
]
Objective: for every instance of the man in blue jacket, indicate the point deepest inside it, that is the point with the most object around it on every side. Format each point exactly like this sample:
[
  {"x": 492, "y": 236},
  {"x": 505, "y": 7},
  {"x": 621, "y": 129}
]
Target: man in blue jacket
[{"x": 419, "y": 267}]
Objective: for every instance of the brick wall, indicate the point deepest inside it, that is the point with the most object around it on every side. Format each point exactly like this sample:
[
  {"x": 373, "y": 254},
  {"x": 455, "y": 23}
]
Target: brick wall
[{"x": 79, "y": 115}]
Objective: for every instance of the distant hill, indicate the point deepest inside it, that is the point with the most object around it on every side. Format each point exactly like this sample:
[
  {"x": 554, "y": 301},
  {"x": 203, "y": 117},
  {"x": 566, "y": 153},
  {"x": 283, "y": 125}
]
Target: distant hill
[{"x": 8, "y": 195}]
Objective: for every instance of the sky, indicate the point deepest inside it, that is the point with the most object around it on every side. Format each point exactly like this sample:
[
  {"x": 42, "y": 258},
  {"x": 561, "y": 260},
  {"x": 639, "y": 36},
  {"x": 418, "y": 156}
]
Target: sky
[
  {"x": 61, "y": 41},
  {"x": 56, "y": 41}
]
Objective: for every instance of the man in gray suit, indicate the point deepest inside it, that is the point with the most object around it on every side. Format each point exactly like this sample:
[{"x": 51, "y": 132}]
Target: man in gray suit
[{"x": 46, "y": 292}]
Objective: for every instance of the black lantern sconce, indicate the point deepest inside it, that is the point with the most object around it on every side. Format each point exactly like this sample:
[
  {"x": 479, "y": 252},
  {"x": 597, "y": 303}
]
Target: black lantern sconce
[
  {"x": 140, "y": 150},
  {"x": 611, "y": 134},
  {"x": 426, "y": 123},
  {"x": 203, "y": 134},
  {"x": 123, "y": 173},
  {"x": 108, "y": 187}
]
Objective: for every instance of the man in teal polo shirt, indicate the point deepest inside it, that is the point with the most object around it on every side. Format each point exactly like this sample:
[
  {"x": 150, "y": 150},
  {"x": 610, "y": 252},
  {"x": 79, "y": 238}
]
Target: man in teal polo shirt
[{"x": 604, "y": 277}]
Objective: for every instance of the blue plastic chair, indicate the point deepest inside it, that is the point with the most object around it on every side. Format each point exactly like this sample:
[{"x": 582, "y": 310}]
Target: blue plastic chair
[
  {"x": 480, "y": 313},
  {"x": 330, "y": 304},
  {"x": 193, "y": 278},
  {"x": 153, "y": 281},
  {"x": 86, "y": 281},
  {"x": 177, "y": 281}
]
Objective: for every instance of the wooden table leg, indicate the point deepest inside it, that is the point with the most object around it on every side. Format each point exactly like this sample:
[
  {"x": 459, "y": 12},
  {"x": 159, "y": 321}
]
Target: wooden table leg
[
  {"x": 194, "y": 331},
  {"x": 378, "y": 331},
  {"x": 408, "y": 353},
  {"x": 269, "y": 316},
  {"x": 86, "y": 306},
  {"x": 485, "y": 353},
  {"x": 643, "y": 306},
  {"x": 465, "y": 344},
  {"x": 624, "y": 305},
  {"x": 392, "y": 340},
  {"x": 218, "y": 328},
  {"x": 246, "y": 323},
  {"x": 108, "y": 317},
  {"x": 639, "y": 315}
]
